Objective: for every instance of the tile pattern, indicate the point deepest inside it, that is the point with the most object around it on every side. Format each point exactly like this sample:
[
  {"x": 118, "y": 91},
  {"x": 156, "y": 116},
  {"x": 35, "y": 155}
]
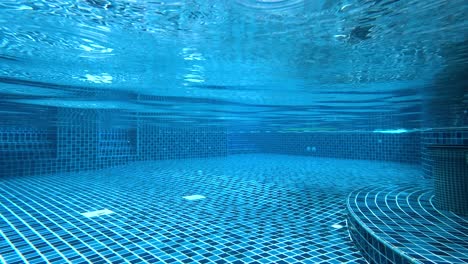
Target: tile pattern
[
  {"x": 258, "y": 209},
  {"x": 117, "y": 142},
  {"x": 87, "y": 139},
  {"x": 401, "y": 225},
  {"x": 24, "y": 150},
  {"x": 455, "y": 136},
  {"x": 242, "y": 142},
  {"x": 348, "y": 145},
  {"x": 450, "y": 172},
  {"x": 157, "y": 143},
  {"x": 77, "y": 140},
  {"x": 71, "y": 139}
]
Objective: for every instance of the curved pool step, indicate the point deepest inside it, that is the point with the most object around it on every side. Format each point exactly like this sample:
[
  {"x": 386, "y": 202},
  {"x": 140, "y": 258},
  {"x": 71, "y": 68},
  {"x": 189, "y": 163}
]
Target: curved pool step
[{"x": 401, "y": 225}]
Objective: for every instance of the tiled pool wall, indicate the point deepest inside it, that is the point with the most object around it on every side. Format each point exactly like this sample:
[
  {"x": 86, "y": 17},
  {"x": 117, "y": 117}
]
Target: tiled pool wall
[
  {"x": 404, "y": 147},
  {"x": 445, "y": 105},
  {"x": 83, "y": 139},
  {"x": 86, "y": 139},
  {"x": 453, "y": 136}
]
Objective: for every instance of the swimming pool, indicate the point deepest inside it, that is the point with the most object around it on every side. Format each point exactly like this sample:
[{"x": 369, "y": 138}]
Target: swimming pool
[{"x": 246, "y": 131}]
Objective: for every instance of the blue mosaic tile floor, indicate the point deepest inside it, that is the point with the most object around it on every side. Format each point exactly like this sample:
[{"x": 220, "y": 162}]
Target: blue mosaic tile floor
[
  {"x": 258, "y": 209},
  {"x": 403, "y": 224}
]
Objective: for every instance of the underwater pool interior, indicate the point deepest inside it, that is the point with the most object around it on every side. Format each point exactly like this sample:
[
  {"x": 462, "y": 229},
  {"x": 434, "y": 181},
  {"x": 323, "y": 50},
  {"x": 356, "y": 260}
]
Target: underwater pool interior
[{"x": 244, "y": 131}]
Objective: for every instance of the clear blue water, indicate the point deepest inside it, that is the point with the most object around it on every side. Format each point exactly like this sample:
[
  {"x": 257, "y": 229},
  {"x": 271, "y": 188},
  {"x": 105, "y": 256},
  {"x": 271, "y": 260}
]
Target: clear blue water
[
  {"x": 305, "y": 125},
  {"x": 279, "y": 64}
]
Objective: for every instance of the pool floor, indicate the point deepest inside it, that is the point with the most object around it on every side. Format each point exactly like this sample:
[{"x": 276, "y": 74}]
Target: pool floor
[{"x": 256, "y": 208}]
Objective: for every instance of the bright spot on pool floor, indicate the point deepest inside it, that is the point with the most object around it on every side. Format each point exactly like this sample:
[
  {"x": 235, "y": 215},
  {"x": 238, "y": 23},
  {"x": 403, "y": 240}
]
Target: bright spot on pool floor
[
  {"x": 337, "y": 226},
  {"x": 98, "y": 213},
  {"x": 194, "y": 197}
]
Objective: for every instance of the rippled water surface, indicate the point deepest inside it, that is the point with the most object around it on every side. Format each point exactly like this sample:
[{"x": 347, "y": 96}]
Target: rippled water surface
[{"x": 294, "y": 64}]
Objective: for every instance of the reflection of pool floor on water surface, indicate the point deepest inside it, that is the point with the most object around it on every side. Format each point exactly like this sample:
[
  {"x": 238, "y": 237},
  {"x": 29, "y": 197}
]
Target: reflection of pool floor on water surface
[{"x": 257, "y": 209}]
